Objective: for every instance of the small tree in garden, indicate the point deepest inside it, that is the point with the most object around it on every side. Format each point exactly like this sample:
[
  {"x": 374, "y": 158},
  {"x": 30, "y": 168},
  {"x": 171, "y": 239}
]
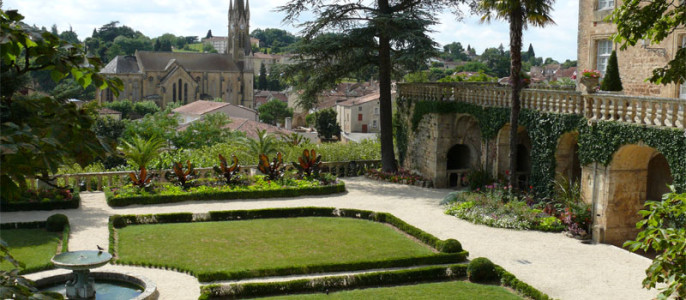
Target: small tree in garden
[
  {"x": 612, "y": 82},
  {"x": 264, "y": 144},
  {"x": 139, "y": 152},
  {"x": 664, "y": 231},
  {"x": 326, "y": 124}
]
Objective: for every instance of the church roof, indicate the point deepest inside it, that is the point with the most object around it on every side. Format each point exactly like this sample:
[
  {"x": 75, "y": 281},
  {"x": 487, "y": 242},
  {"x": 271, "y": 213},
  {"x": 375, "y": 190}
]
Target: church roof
[
  {"x": 159, "y": 61},
  {"x": 121, "y": 64}
]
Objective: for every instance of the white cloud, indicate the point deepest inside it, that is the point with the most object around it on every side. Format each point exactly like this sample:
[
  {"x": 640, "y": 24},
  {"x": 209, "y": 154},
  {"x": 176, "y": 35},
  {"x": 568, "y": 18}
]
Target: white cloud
[{"x": 195, "y": 17}]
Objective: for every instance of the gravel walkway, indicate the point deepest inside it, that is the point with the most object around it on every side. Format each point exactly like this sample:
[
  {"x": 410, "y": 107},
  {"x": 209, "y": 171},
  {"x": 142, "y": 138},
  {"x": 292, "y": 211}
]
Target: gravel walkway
[{"x": 560, "y": 266}]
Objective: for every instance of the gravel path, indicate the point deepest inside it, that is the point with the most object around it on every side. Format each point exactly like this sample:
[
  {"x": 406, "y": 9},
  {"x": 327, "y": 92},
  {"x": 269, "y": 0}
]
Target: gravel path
[{"x": 560, "y": 266}]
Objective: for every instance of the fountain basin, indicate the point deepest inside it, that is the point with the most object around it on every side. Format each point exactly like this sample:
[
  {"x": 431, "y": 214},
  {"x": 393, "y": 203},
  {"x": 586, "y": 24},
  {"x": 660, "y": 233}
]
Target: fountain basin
[
  {"x": 81, "y": 260},
  {"x": 143, "y": 288}
]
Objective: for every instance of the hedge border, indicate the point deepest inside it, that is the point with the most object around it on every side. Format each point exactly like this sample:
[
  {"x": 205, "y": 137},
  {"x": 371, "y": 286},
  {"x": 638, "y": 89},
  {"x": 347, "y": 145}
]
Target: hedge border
[
  {"x": 365, "y": 280},
  {"x": 119, "y": 221},
  {"x": 29, "y": 206},
  {"x": 228, "y": 195},
  {"x": 39, "y": 225}
]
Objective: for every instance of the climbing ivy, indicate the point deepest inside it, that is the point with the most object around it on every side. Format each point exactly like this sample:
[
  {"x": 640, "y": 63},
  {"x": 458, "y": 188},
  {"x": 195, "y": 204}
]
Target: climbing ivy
[
  {"x": 598, "y": 143},
  {"x": 400, "y": 130},
  {"x": 544, "y": 131}
]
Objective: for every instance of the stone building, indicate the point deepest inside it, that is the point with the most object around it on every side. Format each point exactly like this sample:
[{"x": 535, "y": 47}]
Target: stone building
[
  {"x": 174, "y": 77},
  {"x": 635, "y": 63},
  {"x": 360, "y": 114}
]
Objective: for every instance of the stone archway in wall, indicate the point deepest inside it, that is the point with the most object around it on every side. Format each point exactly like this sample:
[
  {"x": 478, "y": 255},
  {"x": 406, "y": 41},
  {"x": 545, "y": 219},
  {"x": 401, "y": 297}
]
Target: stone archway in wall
[
  {"x": 458, "y": 149},
  {"x": 523, "y": 154},
  {"x": 637, "y": 173},
  {"x": 567, "y": 165}
]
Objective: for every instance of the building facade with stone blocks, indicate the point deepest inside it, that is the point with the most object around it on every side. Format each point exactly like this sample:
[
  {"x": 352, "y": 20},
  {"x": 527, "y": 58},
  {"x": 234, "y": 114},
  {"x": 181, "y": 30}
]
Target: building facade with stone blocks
[
  {"x": 636, "y": 63},
  {"x": 360, "y": 114},
  {"x": 175, "y": 77}
]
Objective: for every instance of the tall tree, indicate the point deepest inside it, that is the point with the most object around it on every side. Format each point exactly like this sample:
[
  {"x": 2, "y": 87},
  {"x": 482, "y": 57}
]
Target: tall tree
[
  {"x": 653, "y": 21},
  {"x": 382, "y": 33},
  {"x": 40, "y": 133},
  {"x": 519, "y": 13},
  {"x": 274, "y": 111},
  {"x": 262, "y": 83}
]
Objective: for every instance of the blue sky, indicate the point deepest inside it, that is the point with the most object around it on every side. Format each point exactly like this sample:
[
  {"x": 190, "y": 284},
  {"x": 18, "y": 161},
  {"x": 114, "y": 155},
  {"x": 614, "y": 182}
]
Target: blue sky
[{"x": 194, "y": 17}]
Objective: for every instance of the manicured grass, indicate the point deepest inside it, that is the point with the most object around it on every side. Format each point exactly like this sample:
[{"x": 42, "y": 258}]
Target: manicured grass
[
  {"x": 263, "y": 243},
  {"x": 33, "y": 247},
  {"x": 455, "y": 290}
]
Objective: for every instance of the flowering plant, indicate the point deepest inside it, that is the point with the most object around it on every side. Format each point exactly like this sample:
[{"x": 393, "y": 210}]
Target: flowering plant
[{"x": 590, "y": 74}]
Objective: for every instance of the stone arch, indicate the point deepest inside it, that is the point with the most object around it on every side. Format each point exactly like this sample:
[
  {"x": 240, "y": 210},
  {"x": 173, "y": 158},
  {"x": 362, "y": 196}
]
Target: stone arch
[
  {"x": 458, "y": 141},
  {"x": 635, "y": 171},
  {"x": 567, "y": 165},
  {"x": 523, "y": 154}
]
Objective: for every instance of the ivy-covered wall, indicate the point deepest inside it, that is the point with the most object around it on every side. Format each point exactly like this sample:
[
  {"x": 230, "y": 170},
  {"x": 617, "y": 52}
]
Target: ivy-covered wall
[{"x": 597, "y": 143}]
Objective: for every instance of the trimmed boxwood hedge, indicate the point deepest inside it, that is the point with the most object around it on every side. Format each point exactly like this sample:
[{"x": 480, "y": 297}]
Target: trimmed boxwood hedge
[
  {"x": 38, "y": 225},
  {"x": 119, "y": 221},
  {"x": 226, "y": 195},
  {"x": 332, "y": 283},
  {"x": 348, "y": 282},
  {"x": 52, "y": 205}
]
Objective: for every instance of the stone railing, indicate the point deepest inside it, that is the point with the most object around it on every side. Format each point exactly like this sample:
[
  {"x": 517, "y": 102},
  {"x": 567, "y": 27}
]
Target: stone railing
[
  {"x": 664, "y": 112},
  {"x": 96, "y": 181}
]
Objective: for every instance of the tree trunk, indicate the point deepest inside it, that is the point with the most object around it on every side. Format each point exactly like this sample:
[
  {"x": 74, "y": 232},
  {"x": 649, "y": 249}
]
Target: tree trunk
[
  {"x": 386, "y": 113},
  {"x": 515, "y": 80}
]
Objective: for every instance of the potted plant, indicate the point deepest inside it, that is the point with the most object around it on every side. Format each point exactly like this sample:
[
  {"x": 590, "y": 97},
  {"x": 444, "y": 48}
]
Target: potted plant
[{"x": 590, "y": 79}]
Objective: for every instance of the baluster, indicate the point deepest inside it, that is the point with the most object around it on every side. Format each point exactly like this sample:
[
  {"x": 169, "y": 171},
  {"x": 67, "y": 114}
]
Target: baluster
[
  {"x": 648, "y": 115},
  {"x": 99, "y": 182},
  {"x": 681, "y": 107},
  {"x": 603, "y": 108},
  {"x": 669, "y": 112},
  {"x": 658, "y": 120},
  {"x": 639, "y": 112},
  {"x": 630, "y": 111},
  {"x": 566, "y": 104},
  {"x": 109, "y": 180},
  {"x": 597, "y": 115},
  {"x": 77, "y": 183}
]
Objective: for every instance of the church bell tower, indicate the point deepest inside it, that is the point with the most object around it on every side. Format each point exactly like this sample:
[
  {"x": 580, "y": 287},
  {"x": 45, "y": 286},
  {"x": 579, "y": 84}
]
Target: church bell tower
[{"x": 239, "y": 30}]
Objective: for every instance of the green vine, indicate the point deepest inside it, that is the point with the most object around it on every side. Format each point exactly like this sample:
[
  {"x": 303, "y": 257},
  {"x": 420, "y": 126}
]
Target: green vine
[
  {"x": 600, "y": 142},
  {"x": 400, "y": 130},
  {"x": 596, "y": 144}
]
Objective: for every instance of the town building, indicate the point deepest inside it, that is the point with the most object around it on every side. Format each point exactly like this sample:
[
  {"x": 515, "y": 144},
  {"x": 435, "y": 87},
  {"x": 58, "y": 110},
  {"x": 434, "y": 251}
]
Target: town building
[
  {"x": 636, "y": 63},
  {"x": 198, "y": 109},
  {"x": 360, "y": 114},
  {"x": 175, "y": 77}
]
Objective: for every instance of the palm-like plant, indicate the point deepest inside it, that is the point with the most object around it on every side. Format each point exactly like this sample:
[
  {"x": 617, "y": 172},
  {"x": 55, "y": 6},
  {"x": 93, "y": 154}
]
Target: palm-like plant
[
  {"x": 139, "y": 152},
  {"x": 519, "y": 13},
  {"x": 264, "y": 144}
]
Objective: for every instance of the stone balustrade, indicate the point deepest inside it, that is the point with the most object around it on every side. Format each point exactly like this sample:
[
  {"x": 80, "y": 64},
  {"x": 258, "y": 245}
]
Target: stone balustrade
[
  {"x": 663, "y": 112},
  {"x": 97, "y": 180}
]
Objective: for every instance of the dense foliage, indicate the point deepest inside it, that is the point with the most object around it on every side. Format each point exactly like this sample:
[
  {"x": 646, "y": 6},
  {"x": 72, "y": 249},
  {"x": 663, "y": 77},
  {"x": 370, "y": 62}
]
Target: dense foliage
[{"x": 664, "y": 231}]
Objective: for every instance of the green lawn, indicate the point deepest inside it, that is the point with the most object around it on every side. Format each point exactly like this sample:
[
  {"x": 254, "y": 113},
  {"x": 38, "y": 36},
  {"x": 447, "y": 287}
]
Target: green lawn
[
  {"x": 263, "y": 243},
  {"x": 455, "y": 290},
  {"x": 33, "y": 247}
]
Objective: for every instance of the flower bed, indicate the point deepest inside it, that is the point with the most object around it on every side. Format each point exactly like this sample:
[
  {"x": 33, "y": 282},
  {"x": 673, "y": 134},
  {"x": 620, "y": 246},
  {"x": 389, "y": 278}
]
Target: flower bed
[
  {"x": 47, "y": 199},
  {"x": 402, "y": 177},
  {"x": 499, "y": 206},
  {"x": 252, "y": 188}
]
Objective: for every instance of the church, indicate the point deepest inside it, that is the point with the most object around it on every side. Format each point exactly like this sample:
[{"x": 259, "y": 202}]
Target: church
[{"x": 179, "y": 77}]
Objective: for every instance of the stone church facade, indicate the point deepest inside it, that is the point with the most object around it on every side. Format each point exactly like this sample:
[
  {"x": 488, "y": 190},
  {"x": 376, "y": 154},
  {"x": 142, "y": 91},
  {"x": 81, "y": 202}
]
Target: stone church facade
[
  {"x": 636, "y": 63},
  {"x": 178, "y": 77}
]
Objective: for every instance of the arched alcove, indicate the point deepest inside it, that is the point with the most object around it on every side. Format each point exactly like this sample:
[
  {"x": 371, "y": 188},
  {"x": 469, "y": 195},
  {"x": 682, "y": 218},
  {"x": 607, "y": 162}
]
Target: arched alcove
[
  {"x": 458, "y": 148},
  {"x": 567, "y": 165},
  {"x": 636, "y": 173},
  {"x": 459, "y": 159},
  {"x": 523, "y": 167}
]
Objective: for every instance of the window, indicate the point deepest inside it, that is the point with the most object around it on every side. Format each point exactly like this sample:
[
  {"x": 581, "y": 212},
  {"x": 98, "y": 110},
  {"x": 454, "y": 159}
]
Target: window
[
  {"x": 374, "y": 124},
  {"x": 376, "y": 110},
  {"x": 359, "y": 108},
  {"x": 606, "y": 4},
  {"x": 604, "y": 51},
  {"x": 359, "y": 117},
  {"x": 682, "y": 91},
  {"x": 174, "y": 92}
]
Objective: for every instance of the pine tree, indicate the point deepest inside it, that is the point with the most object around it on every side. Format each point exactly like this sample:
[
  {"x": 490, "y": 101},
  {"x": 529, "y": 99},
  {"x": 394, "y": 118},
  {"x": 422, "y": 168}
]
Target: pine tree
[
  {"x": 612, "y": 81},
  {"x": 156, "y": 46},
  {"x": 262, "y": 83},
  {"x": 209, "y": 34}
]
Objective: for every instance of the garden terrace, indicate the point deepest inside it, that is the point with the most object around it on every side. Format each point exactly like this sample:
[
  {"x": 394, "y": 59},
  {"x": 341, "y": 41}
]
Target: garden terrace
[
  {"x": 95, "y": 181},
  {"x": 622, "y": 150}
]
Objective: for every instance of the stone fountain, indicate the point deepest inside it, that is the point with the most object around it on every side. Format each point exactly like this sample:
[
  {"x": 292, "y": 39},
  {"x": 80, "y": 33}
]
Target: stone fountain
[{"x": 82, "y": 285}]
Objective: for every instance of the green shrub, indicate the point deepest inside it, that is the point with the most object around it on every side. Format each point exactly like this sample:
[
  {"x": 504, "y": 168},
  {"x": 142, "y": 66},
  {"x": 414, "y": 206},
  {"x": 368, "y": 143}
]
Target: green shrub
[
  {"x": 450, "y": 246},
  {"x": 118, "y": 221},
  {"x": 174, "y": 218},
  {"x": 56, "y": 222},
  {"x": 481, "y": 269}
]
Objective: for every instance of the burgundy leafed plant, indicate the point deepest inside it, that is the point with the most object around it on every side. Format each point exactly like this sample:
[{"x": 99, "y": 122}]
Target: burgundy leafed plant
[
  {"x": 230, "y": 173},
  {"x": 273, "y": 170},
  {"x": 308, "y": 164},
  {"x": 142, "y": 179},
  {"x": 182, "y": 176}
]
